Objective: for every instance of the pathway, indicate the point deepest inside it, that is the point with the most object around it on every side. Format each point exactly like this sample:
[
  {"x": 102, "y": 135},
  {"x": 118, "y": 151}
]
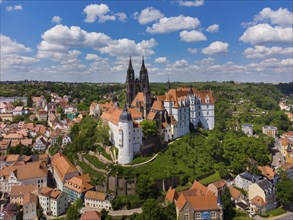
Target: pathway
[
  {"x": 115, "y": 213},
  {"x": 139, "y": 164}
]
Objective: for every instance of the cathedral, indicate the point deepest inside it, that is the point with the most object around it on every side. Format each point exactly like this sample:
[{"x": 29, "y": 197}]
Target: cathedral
[
  {"x": 175, "y": 113},
  {"x": 135, "y": 86}
]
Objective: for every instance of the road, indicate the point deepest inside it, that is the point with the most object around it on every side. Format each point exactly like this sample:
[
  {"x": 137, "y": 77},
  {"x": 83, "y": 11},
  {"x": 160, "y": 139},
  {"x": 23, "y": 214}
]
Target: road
[
  {"x": 286, "y": 216},
  {"x": 277, "y": 156}
]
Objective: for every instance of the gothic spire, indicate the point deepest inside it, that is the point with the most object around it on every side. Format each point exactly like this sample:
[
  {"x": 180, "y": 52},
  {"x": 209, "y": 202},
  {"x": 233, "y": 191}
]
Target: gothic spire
[
  {"x": 130, "y": 72},
  {"x": 130, "y": 64}
]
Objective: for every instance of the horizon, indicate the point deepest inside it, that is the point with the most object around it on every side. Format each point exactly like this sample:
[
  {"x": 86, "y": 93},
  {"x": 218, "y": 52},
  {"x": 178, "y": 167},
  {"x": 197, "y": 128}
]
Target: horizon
[{"x": 247, "y": 42}]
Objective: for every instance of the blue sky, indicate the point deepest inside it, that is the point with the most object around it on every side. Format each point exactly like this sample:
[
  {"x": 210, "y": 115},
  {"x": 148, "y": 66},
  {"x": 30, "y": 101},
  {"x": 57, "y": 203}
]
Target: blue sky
[{"x": 183, "y": 40}]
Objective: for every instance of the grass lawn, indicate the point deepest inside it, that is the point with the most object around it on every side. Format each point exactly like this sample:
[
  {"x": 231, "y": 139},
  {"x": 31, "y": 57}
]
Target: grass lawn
[
  {"x": 140, "y": 159},
  {"x": 179, "y": 160},
  {"x": 239, "y": 215},
  {"x": 277, "y": 211},
  {"x": 212, "y": 178},
  {"x": 87, "y": 169},
  {"x": 95, "y": 161}
]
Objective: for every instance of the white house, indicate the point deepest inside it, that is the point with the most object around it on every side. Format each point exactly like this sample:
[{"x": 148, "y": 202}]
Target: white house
[
  {"x": 23, "y": 174},
  {"x": 18, "y": 110},
  {"x": 97, "y": 200},
  {"x": 247, "y": 129},
  {"x": 262, "y": 196},
  {"x": 244, "y": 180},
  {"x": 40, "y": 144},
  {"x": 53, "y": 201},
  {"x": 124, "y": 134},
  {"x": 66, "y": 140}
]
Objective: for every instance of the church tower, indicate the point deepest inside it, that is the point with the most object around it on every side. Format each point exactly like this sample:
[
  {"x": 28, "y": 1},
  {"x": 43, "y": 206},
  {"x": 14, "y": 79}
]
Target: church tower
[
  {"x": 145, "y": 86},
  {"x": 130, "y": 84}
]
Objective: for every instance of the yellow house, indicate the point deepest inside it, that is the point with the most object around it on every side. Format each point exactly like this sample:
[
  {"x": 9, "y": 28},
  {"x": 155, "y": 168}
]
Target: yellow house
[
  {"x": 6, "y": 117},
  {"x": 261, "y": 195}
]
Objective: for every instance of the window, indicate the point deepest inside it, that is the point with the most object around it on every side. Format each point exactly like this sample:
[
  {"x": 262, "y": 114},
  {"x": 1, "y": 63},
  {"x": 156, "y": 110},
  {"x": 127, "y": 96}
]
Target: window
[
  {"x": 207, "y": 106},
  {"x": 213, "y": 214},
  {"x": 207, "y": 113},
  {"x": 186, "y": 216},
  {"x": 197, "y": 215}
]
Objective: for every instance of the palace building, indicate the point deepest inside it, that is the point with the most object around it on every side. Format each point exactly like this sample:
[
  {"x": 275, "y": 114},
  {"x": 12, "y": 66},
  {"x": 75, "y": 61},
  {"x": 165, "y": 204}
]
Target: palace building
[{"x": 175, "y": 113}]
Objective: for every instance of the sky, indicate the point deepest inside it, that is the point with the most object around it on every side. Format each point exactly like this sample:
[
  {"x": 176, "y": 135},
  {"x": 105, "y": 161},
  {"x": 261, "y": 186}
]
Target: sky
[{"x": 180, "y": 40}]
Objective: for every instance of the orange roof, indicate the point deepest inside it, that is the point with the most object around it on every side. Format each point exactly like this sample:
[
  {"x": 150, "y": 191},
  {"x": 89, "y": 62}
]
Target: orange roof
[
  {"x": 267, "y": 171},
  {"x": 78, "y": 184},
  {"x": 174, "y": 95},
  {"x": 235, "y": 193},
  {"x": 95, "y": 195},
  {"x": 12, "y": 157},
  {"x": 62, "y": 166},
  {"x": 203, "y": 202},
  {"x": 289, "y": 133},
  {"x": 135, "y": 113},
  {"x": 115, "y": 116},
  {"x": 171, "y": 194},
  {"x": 24, "y": 171},
  {"x": 287, "y": 166},
  {"x": 151, "y": 116},
  {"x": 198, "y": 185},
  {"x": 158, "y": 106},
  {"x": 46, "y": 191},
  {"x": 219, "y": 184},
  {"x": 26, "y": 142},
  {"x": 30, "y": 197},
  {"x": 90, "y": 215},
  {"x": 14, "y": 143},
  {"x": 22, "y": 189},
  {"x": 258, "y": 201},
  {"x": 181, "y": 201},
  {"x": 139, "y": 98}
]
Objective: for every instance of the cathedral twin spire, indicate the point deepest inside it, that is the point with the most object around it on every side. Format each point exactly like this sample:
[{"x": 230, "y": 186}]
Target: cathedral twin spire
[{"x": 133, "y": 86}]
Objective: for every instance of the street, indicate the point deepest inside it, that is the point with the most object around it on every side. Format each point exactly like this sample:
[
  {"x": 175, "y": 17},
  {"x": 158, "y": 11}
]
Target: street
[{"x": 277, "y": 159}]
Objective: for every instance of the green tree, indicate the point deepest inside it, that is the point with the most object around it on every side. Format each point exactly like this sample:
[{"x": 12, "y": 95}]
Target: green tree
[
  {"x": 72, "y": 212},
  {"x": 149, "y": 128},
  {"x": 227, "y": 203},
  {"x": 145, "y": 187},
  {"x": 103, "y": 135},
  {"x": 151, "y": 210},
  {"x": 285, "y": 191}
]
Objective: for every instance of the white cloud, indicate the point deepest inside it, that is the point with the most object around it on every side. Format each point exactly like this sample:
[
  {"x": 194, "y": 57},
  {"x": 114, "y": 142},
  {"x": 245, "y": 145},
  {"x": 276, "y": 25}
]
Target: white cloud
[
  {"x": 194, "y": 3},
  {"x": 148, "y": 15},
  {"x": 126, "y": 47},
  {"x": 262, "y": 51},
  {"x": 172, "y": 24},
  {"x": 91, "y": 56},
  {"x": 161, "y": 60},
  {"x": 121, "y": 16},
  {"x": 12, "y": 57},
  {"x": 281, "y": 17},
  {"x": 192, "y": 50},
  {"x": 273, "y": 64},
  {"x": 192, "y": 36},
  {"x": 61, "y": 39},
  {"x": 268, "y": 27},
  {"x": 216, "y": 47},
  {"x": 213, "y": 28},
  {"x": 265, "y": 33},
  {"x": 100, "y": 12},
  {"x": 14, "y": 8},
  {"x": 56, "y": 19}
]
